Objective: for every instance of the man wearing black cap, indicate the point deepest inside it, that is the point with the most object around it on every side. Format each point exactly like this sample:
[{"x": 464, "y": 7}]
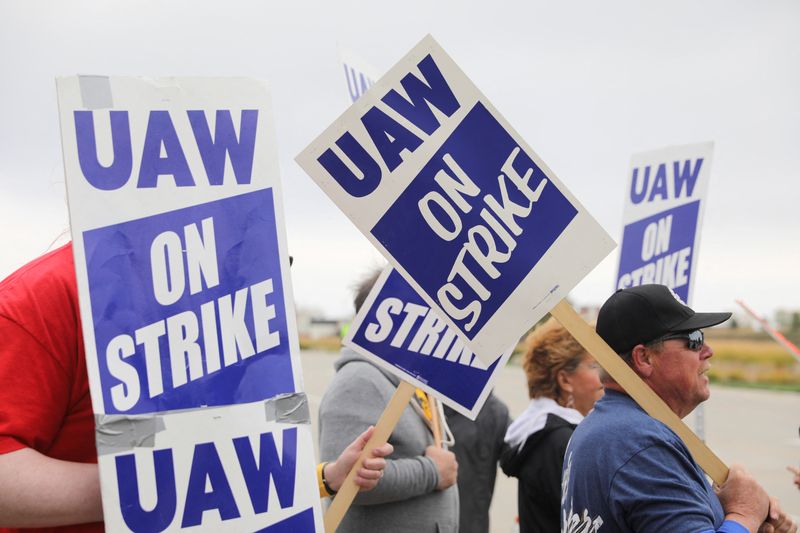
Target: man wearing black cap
[{"x": 626, "y": 471}]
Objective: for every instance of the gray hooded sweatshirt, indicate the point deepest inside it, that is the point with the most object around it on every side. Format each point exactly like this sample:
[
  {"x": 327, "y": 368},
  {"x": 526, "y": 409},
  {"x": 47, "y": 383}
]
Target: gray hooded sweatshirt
[{"x": 406, "y": 498}]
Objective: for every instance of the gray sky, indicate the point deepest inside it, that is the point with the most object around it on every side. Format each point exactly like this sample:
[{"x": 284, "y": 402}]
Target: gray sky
[{"x": 587, "y": 84}]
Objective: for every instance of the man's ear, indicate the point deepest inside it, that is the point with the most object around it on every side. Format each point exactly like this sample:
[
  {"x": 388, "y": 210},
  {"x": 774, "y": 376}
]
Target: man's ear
[{"x": 641, "y": 358}]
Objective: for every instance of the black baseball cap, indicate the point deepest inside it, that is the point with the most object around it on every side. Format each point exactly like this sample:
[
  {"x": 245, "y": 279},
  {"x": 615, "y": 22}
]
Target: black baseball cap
[{"x": 642, "y": 314}]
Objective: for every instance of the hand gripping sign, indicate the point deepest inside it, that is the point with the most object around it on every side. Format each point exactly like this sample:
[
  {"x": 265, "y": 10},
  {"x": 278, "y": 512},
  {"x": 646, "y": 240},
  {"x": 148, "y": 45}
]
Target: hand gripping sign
[
  {"x": 186, "y": 306},
  {"x": 461, "y": 206}
]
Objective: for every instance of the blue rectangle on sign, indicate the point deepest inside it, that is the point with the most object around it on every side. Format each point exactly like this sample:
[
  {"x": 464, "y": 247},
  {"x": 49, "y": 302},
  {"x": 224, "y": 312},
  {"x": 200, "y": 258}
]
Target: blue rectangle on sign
[
  {"x": 659, "y": 248},
  {"x": 475, "y": 221},
  {"x": 401, "y": 329},
  {"x": 188, "y": 307}
]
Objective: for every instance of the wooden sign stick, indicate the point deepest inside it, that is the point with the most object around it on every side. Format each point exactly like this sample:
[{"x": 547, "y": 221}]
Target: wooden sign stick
[
  {"x": 386, "y": 424},
  {"x": 638, "y": 389},
  {"x": 436, "y": 426}
]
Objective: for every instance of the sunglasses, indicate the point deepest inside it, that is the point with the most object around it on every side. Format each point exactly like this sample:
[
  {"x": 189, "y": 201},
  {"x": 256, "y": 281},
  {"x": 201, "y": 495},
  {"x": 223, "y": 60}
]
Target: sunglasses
[{"x": 695, "y": 339}]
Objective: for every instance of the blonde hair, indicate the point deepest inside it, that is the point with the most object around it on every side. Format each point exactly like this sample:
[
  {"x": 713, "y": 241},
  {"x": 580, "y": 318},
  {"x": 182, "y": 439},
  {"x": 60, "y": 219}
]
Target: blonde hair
[{"x": 550, "y": 349}]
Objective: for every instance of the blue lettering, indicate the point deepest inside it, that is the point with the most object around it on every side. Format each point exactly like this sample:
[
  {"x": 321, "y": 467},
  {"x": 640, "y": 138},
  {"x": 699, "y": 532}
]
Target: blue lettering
[
  {"x": 390, "y": 138},
  {"x": 213, "y": 151},
  {"x": 435, "y": 92},
  {"x": 357, "y": 186},
  {"x": 638, "y": 196},
  {"x": 257, "y": 475},
  {"x": 136, "y": 518},
  {"x": 687, "y": 176},
  {"x": 206, "y": 465},
  {"x": 161, "y": 132},
  {"x": 355, "y": 89},
  {"x": 659, "y": 184},
  {"x": 118, "y": 172}
]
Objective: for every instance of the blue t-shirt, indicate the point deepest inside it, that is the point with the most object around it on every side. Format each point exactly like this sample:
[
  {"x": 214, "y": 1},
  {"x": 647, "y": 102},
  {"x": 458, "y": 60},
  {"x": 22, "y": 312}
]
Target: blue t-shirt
[{"x": 625, "y": 471}]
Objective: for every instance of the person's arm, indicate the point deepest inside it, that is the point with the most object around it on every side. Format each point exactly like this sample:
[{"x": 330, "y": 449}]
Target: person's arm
[
  {"x": 37, "y": 491},
  {"x": 352, "y": 403},
  {"x": 333, "y": 474},
  {"x": 446, "y": 466},
  {"x": 403, "y": 479},
  {"x": 676, "y": 495}
]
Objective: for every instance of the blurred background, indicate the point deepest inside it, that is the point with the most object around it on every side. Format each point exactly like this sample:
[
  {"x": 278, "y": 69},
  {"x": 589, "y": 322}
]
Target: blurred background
[{"x": 587, "y": 84}]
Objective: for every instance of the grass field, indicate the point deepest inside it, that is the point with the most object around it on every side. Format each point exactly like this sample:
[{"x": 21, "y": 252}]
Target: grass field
[
  {"x": 742, "y": 358},
  {"x": 747, "y": 360}
]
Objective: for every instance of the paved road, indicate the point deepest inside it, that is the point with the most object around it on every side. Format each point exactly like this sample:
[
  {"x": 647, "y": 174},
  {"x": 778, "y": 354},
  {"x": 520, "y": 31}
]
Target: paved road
[{"x": 758, "y": 429}]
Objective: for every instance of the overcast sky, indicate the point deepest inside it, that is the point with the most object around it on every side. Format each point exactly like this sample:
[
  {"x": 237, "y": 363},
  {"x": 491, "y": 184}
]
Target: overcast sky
[{"x": 587, "y": 84}]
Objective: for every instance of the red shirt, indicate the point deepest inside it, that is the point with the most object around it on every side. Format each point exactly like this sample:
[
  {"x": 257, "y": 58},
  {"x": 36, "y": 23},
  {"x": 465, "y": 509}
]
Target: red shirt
[{"x": 44, "y": 392}]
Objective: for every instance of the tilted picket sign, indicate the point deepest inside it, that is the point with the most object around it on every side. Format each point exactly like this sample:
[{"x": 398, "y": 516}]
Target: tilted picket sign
[{"x": 457, "y": 202}]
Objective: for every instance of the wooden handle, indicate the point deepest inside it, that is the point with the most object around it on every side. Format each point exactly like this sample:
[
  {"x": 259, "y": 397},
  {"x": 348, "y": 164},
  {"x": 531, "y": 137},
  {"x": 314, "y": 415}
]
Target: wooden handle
[
  {"x": 386, "y": 424},
  {"x": 436, "y": 426},
  {"x": 638, "y": 389}
]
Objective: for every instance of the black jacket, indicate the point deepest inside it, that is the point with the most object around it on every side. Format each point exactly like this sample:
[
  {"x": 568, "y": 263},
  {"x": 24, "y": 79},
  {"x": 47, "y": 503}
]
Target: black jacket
[
  {"x": 537, "y": 465},
  {"x": 478, "y": 447}
]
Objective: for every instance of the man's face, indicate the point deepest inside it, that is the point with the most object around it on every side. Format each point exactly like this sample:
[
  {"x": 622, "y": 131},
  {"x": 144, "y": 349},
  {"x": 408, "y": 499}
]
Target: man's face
[{"x": 680, "y": 375}]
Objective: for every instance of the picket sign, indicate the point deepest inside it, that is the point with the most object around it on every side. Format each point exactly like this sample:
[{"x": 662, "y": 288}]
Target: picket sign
[
  {"x": 638, "y": 389},
  {"x": 663, "y": 217},
  {"x": 484, "y": 231},
  {"x": 386, "y": 424},
  {"x": 182, "y": 270}
]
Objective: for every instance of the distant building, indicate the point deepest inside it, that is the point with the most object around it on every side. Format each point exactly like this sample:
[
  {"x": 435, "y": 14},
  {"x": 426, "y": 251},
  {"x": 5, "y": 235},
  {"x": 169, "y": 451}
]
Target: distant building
[{"x": 312, "y": 326}]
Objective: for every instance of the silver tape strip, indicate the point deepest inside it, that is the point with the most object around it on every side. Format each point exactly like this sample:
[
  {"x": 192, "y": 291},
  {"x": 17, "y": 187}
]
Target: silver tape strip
[
  {"x": 95, "y": 92},
  {"x": 119, "y": 433},
  {"x": 288, "y": 409}
]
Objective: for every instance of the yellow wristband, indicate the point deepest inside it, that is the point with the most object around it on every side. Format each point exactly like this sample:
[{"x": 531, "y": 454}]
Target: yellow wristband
[{"x": 323, "y": 493}]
